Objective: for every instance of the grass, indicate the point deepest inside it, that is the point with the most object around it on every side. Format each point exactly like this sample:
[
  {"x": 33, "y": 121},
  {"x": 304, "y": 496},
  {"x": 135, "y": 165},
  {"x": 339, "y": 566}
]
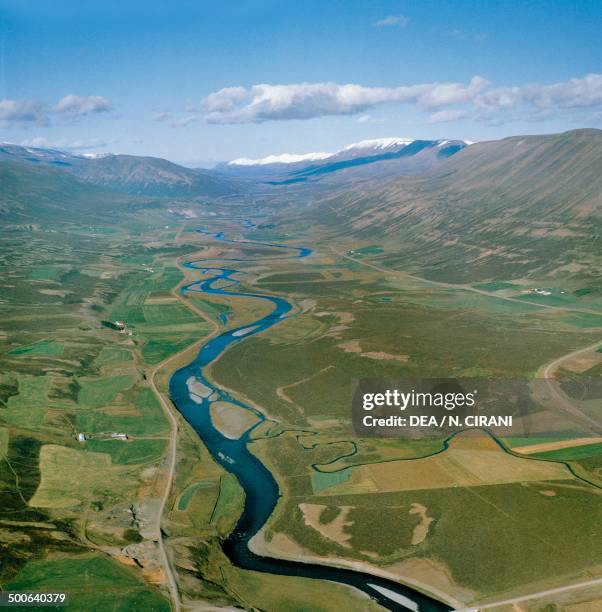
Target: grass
[
  {"x": 162, "y": 346},
  {"x": 55, "y": 356},
  {"x": 47, "y": 347},
  {"x": 571, "y": 454},
  {"x": 168, "y": 314},
  {"x": 92, "y": 582},
  {"x": 228, "y": 503},
  {"x": 110, "y": 355},
  {"x": 129, "y": 452},
  {"x": 27, "y": 409},
  {"x": 468, "y": 519},
  {"x": 496, "y": 286},
  {"x": 46, "y": 272},
  {"x": 4, "y": 438},
  {"x": 321, "y": 481},
  {"x": 188, "y": 493},
  {"x": 96, "y": 392},
  {"x": 70, "y": 478},
  {"x": 144, "y": 418}
]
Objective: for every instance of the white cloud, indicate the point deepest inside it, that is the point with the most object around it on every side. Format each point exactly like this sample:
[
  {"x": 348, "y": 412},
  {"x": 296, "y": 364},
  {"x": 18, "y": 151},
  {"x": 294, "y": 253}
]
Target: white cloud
[
  {"x": 18, "y": 111},
  {"x": 63, "y": 144},
  {"x": 161, "y": 116},
  {"x": 308, "y": 100},
  {"x": 574, "y": 93},
  {"x": 445, "y": 101},
  {"x": 393, "y": 20},
  {"x": 78, "y": 106},
  {"x": 183, "y": 121},
  {"x": 175, "y": 122},
  {"x": 452, "y": 114}
]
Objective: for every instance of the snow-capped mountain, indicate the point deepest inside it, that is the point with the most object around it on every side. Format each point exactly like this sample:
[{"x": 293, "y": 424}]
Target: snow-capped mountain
[
  {"x": 284, "y": 158},
  {"x": 367, "y": 158}
]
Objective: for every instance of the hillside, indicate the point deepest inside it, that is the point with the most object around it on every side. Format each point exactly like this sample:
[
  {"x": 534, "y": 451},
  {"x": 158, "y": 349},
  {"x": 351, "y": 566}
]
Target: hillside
[
  {"x": 529, "y": 205},
  {"x": 130, "y": 174},
  {"x": 380, "y": 157},
  {"x": 152, "y": 176},
  {"x": 43, "y": 194}
]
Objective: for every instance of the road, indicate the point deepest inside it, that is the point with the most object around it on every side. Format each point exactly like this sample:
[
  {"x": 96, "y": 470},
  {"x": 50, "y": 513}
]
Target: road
[
  {"x": 172, "y": 449},
  {"x": 563, "y": 400},
  {"x": 509, "y": 602},
  {"x": 463, "y": 287},
  {"x": 171, "y": 461}
]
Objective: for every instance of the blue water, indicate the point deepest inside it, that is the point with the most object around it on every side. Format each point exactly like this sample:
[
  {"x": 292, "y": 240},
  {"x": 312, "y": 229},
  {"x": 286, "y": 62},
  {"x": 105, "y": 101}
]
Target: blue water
[{"x": 261, "y": 489}]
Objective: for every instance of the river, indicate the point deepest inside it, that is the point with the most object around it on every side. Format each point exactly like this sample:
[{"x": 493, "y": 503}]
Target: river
[{"x": 192, "y": 394}]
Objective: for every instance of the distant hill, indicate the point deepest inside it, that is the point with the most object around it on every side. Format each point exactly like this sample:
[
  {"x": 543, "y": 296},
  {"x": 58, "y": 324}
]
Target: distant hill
[
  {"x": 380, "y": 157},
  {"x": 507, "y": 208},
  {"x": 149, "y": 176},
  {"x": 153, "y": 176},
  {"x": 45, "y": 194}
]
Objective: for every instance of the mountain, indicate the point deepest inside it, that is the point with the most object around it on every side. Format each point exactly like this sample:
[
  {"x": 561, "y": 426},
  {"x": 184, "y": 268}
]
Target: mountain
[
  {"x": 153, "y": 176},
  {"x": 379, "y": 157},
  {"x": 526, "y": 205},
  {"x": 33, "y": 194},
  {"x": 130, "y": 174}
]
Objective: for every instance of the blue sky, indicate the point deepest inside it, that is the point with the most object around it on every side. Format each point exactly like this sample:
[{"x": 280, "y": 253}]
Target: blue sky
[{"x": 207, "y": 81}]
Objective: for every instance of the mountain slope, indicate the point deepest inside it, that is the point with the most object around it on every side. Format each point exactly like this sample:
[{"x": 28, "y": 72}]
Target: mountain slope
[
  {"x": 43, "y": 194},
  {"x": 380, "y": 157},
  {"x": 152, "y": 176},
  {"x": 519, "y": 206},
  {"x": 134, "y": 175}
]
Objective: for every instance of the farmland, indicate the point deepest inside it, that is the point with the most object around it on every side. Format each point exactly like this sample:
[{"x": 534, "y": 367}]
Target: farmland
[
  {"x": 355, "y": 322},
  {"x": 69, "y": 369}
]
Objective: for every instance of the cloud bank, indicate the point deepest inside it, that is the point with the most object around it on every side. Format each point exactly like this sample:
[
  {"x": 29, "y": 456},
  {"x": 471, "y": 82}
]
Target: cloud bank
[
  {"x": 308, "y": 100},
  {"x": 477, "y": 99},
  {"x": 69, "y": 107},
  {"x": 78, "y": 106}
]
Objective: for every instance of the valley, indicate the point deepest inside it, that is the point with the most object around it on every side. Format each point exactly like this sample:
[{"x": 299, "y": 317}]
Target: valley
[{"x": 122, "y": 323}]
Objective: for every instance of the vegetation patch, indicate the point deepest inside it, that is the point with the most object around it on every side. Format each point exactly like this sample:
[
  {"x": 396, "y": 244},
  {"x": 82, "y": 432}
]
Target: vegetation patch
[
  {"x": 229, "y": 503},
  {"x": 88, "y": 578},
  {"x": 189, "y": 492},
  {"x": 113, "y": 354},
  {"x": 41, "y": 347},
  {"x": 70, "y": 478}
]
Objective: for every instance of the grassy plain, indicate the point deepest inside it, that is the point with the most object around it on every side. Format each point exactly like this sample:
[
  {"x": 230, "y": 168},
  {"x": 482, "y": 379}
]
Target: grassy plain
[
  {"x": 356, "y": 321},
  {"x": 483, "y": 507}
]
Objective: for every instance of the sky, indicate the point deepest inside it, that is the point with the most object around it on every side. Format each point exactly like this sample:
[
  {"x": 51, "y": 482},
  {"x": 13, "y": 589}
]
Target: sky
[{"x": 202, "y": 82}]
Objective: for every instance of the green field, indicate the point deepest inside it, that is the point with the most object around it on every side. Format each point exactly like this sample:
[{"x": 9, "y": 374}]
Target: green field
[
  {"x": 228, "y": 502},
  {"x": 48, "y": 348},
  {"x": 97, "y": 392},
  {"x": 110, "y": 355},
  {"x": 571, "y": 454},
  {"x": 187, "y": 494},
  {"x": 89, "y": 580}
]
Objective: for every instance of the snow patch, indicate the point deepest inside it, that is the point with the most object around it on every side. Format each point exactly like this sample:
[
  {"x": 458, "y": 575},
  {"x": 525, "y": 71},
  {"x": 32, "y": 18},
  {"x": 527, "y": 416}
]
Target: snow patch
[
  {"x": 378, "y": 143},
  {"x": 284, "y": 158}
]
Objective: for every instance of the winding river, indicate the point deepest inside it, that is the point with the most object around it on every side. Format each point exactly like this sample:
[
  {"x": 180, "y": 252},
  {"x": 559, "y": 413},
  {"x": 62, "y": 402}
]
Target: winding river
[{"x": 192, "y": 394}]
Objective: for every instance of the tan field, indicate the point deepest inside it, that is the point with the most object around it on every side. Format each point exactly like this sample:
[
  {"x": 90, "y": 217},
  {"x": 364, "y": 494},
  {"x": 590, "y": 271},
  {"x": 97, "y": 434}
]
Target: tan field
[{"x": 470, "y": 461}]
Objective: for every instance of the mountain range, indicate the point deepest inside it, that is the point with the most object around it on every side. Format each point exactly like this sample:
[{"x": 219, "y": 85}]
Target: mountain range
[
  {"x": 379, "y": 157},
  {"x": 518, "y": 206},
  {"x": 130, "y": 174}
]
